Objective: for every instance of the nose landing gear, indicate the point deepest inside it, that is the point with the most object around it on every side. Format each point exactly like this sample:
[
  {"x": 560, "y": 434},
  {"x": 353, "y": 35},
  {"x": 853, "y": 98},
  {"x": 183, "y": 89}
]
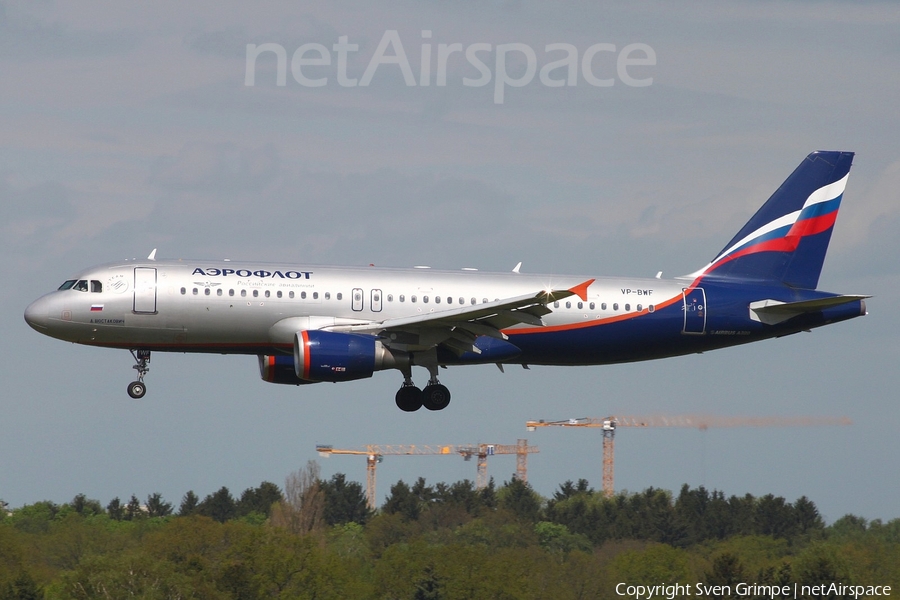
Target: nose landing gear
[{"x": 137, "y": 389}]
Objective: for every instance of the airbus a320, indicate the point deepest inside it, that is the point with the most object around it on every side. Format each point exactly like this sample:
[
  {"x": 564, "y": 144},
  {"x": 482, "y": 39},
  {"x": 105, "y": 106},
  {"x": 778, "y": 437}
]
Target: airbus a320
[{"x": 310, "y": 323}]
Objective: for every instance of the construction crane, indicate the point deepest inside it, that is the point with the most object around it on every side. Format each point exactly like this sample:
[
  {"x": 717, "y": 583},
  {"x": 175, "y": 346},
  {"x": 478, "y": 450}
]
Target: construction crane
[
  {"x": 608, "y": 425},
  {"x": 375, "y": 453}
]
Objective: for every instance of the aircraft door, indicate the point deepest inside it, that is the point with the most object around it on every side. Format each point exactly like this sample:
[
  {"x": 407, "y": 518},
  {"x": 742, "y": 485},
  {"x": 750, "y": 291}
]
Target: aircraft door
[
  {"x": 356, "y": 302},
  {"x": 694, "y": 311},
  {"x": 144, "y": 290},
  {"x": 376, "y": 301}
]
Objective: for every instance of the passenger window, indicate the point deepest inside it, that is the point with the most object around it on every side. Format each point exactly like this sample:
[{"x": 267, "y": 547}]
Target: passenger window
[
  {"x": 219, "y": 292},
  {"x": 328, "y": 295},
  {"x": 556, "y": 305},
  {"x": 425, "y": 299},
  {"x": 194, "y": 291},
  {"x": 627, "y": 307},
  {"x": 568, "y": 305},
  {"x": 437, "y": 299},
  {"x": 268, "y": 294},
  {"x": 96, "y": 286},
  {"x": 315, "y": 295},
  {"x": 402, "y": 298},
  {"x": 231, "y": 292},
  {"x": 615, "y": 306},
  {"x": 462, "y": 300},
  {"x": 450, "y": 300},
  {"x": 473, "y": 301},
  {"x": 243, "y": 293},
  {"x": 390, "y": 297},
  {"x": 650, "y": 308},
  {"x": 278, "y": 293},
  {"x": 603, "y": 306},
  {"x": 412, "y": 298},
  {"x": 484, "y": 300},
  {"x": 81, "y": 286},
  {"x": 340, "y": 296},
  {"x": 303, "y": 295},
  {"x": 291, "y": 294},
  {"x": 256, "y": 293},
  {"x": 639, "y": 308},
  {"x": 183, "y": 291},
  {"x": 206, "y": 292},
  {"x": 67, "y": 285},
  {"x": 592, "y": 306}
]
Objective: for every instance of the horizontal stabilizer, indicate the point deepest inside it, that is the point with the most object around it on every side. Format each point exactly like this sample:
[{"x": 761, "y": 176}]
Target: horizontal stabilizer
[{"x": 772, "y": 312}]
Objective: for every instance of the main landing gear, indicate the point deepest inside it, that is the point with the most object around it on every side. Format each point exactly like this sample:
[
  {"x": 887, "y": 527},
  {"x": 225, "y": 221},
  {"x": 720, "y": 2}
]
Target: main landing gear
[
  {"x": 137, "y": 389},
  {"x": 435, "y": 396}
]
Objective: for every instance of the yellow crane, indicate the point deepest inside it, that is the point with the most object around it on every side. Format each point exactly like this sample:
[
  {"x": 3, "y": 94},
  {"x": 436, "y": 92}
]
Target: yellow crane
[
  {"x": 608, "y": 425},
  {"x": 374, "y": 454}
]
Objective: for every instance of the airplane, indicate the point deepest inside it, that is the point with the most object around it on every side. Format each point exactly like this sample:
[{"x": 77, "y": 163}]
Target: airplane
[{"x": 309, "y": 324}]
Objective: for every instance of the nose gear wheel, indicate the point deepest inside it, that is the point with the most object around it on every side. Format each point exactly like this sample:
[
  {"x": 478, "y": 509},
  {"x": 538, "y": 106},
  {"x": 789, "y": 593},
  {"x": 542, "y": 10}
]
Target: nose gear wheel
[{"x": 137, "y": 389}]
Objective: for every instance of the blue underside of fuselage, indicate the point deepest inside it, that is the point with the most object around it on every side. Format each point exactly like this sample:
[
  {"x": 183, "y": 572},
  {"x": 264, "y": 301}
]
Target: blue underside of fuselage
[{"x": 662, "y": 333}]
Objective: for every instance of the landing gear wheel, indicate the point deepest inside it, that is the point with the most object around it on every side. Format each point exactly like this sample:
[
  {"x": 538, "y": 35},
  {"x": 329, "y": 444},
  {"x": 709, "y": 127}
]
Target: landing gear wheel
[
  {"x": 409, "y": 398},
  {"x": 435, "y": 397},
  {"x": 137, "y": 389}
]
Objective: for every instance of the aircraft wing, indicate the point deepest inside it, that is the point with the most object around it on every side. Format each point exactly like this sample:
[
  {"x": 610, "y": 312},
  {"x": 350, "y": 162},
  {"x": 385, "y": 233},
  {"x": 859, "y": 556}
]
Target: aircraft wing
[{"x": 458, "y": 328}]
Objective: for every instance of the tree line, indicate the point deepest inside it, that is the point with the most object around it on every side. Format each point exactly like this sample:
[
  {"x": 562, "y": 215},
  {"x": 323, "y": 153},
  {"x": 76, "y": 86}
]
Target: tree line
[{"x": 316, "y": 538}]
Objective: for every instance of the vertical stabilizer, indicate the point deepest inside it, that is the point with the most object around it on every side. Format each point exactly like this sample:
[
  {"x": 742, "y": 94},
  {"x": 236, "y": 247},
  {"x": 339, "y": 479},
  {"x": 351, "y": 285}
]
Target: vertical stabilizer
[{"x": 787, "y": 238}]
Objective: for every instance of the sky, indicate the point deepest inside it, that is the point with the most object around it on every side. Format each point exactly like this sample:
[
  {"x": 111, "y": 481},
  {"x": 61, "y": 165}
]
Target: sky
[{"x": 128, "y": 128}]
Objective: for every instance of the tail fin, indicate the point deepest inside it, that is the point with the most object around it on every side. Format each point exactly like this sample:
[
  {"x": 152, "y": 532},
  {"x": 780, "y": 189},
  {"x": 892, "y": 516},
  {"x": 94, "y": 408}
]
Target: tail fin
[{"x": 787, "y": 238}]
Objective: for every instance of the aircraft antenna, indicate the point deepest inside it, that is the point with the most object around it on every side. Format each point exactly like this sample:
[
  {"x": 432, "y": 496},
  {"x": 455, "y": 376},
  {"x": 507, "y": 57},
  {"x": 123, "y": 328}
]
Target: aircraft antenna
[
  {"x": 375, "y": 453},
  {"x": 701, "y": 422}
]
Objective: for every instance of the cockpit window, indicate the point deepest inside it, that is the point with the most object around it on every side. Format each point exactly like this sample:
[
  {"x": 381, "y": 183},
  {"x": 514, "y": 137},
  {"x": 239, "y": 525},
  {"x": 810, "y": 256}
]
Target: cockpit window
[
  {"x": 81, "y": 285},
  {"x": 96, "y": 286},
  {"x": 67, "y": 285}
]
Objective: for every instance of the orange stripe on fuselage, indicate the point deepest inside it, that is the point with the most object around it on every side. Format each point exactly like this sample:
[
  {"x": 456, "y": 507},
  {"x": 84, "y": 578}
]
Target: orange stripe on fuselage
[{"x": 592, "y": 322}]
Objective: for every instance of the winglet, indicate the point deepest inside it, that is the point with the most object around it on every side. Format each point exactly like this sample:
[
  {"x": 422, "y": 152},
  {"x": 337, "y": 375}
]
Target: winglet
[{"x": 580, "y": 290}]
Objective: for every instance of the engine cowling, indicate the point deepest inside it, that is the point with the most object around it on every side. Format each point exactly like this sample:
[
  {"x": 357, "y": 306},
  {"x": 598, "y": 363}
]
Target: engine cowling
[
  {"x": 332, "y": 356},
  {"x": 279, "y": 369}
]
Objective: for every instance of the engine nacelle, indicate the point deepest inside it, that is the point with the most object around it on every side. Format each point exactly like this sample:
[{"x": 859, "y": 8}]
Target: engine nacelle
[
  {"x": 279, "y": 369},
  {"x": 331, "y": 356}
]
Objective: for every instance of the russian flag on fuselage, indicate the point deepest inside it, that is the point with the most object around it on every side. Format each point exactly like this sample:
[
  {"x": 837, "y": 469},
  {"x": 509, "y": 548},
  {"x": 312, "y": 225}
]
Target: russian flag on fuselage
[{"x": 787, "y": 238}]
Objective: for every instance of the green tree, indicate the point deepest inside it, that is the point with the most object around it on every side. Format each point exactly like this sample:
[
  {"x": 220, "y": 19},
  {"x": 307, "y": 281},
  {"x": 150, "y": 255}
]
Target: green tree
[
  {"x": 22, "y": 588},
  {"x": 189, "y": 504},
  {"x": 156, "y": 507},
  {"x": 84, "y": 506},
  {"x": 345, "y": 501},
  {"x": 219, "y": 506},
  {"x": 259, "y": 500},
  {"x": 402, "y": 501},
  {"x": 727, "y": 570},
  {"x": 133, "y": 509},
  {"x": 115, "y": 510},
  {"x": 517, "y": 497}
]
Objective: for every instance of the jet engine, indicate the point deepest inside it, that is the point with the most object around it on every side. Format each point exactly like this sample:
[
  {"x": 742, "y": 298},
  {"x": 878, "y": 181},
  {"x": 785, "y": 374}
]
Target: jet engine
[
  {"x": 330, "y": 356},
  {"x": 279, "y": 368}
]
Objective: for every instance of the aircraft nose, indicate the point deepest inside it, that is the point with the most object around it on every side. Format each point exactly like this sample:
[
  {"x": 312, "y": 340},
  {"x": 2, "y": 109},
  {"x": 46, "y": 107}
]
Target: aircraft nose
[{"x": 36, "y": 314}]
